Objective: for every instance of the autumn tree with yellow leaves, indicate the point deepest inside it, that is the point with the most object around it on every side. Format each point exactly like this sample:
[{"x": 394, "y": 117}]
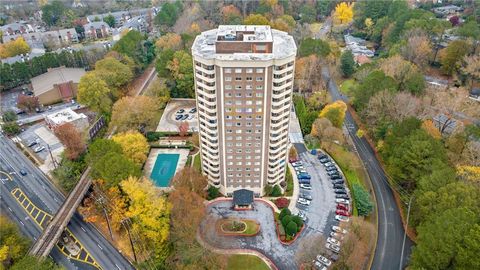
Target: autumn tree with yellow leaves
[
  {"x": 169, "y": 41},
  {"x": 469, "y": 174},
  {"x": 335, "y": 112},
  {"x": 134, "y": 146},
  {"x": 343, "y": 13},
  {"x": 14, "y": 47}
]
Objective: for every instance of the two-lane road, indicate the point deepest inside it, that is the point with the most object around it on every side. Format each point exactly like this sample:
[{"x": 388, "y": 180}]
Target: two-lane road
[
  {"x": 390, "y": 226},
  {"x": 45, "y": 196}
]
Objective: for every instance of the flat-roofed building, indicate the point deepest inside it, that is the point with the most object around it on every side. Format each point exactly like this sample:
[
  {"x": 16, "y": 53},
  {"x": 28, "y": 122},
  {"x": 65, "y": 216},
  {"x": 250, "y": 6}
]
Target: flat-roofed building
[
  {"x": 79, "y": 120},
  {"x": 243, "y": 86},
  {"x": 58, "y": 84}
]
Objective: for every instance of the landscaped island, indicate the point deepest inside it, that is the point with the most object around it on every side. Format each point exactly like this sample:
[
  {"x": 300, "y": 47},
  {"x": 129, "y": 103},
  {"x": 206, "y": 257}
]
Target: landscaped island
[{"x": 242, "y": 227}]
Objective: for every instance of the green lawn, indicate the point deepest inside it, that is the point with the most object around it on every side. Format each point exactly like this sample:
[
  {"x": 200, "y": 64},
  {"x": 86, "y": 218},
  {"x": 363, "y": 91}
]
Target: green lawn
[
  {"x": 289, "y": 180},
  {"x": 197, "y": 164},
  {"x": 250, "y": 262},
  {"x": 252, "y": 226},
  {"x": 347, "y": 86}
]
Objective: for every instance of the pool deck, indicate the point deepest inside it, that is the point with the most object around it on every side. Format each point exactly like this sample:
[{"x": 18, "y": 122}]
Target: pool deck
[{"x": 152, "y": 157}]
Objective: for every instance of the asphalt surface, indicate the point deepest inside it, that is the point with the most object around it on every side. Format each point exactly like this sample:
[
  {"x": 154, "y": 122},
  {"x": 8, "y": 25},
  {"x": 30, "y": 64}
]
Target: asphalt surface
[
  {"x": 390, "y": 227},
  {"x": 45, "y": 196}
]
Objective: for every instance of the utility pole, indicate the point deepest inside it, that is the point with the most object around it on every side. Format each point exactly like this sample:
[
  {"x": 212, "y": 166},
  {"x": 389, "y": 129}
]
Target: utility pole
[
  {"x": 405, "y": 232},
  {"x": 51, "y": 156},
  {"x": 101, "y": 200},
  {"x": 130, "y": 237}
]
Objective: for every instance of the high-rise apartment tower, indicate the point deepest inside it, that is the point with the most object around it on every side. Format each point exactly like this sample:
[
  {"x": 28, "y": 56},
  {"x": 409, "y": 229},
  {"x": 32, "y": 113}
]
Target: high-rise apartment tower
[{"x": 243, "y": 86}]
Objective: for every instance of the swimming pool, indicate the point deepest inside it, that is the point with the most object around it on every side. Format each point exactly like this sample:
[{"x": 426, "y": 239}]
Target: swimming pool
[{"x": 164, "y": 169}]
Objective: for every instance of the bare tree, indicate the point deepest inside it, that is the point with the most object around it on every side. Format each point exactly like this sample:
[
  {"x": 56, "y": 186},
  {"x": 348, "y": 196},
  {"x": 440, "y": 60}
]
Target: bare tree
[
  {"x": 309, "y": 248},
  {"x": 418, "y": 48}
]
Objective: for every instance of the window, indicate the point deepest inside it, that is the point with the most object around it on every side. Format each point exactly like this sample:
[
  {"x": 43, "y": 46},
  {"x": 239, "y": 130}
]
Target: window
[
  {"x": 249, "y": 70},
  {"x": 229, "y": 102},
  {"x": 248, "y": 110},
  {"x": 259, "y": 70},
  {"x": 238, "y": 144},
  {"x": 238, "y": 87},
  {"x": 238, "y": 79},
  {"x": 239, "y": 138},
  {"x": 249, "y": 117},
  {"x": 238, "y": 110},
  {"x": 248, "y": 87},
  {"x": 258, "y": 131},
  {"x": 258, "y": 117},
  {"x": 258, "y": 110},
  {"x": 248, "y": 102},
  {"x": 259, "y": 94},
  {"x": 229, "y": 131},
  {"x": 228, "y": 79},
  {"x": 228, "y": 117},
  {"x": 228, "y": 87},
  {"x": 258, "y": 102},
  {"x": 238, "y": 117},
  {"x": 228, "y": 110},
  {"x": 257, "y": 163},
  {"x": 259, "y": 79},
  {"x": 249, "y": 124},
  {"x": 239, "y": 163},
  {"x": 239, "y": 151},
  {"x": 249, "y": 145},
  {"x": 238, "y": 94},
  {"x": 229, "y": 157},
  {"x": 249, "y": 79},
  {"x": 259, "y": 87},
  {"x": 238, "y": 102},
  {"x": 238, "y": 131},
  {"x": 239, "y": 124},
  {"x": 228, "y": 70},
  {"x": 230, "y": 164},
  {"x": 229, "y": 94},
  {"x": 238, "y": 70},
  {"x": 229, "y": 138},
  {"x": 249, "y": 94},
  {"x": 248, "y": 163},
  {"x": 229, "y": 124}
]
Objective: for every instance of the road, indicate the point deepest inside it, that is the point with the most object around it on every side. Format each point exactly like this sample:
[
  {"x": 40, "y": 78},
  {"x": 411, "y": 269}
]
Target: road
[
  {"x": 43, "y": 195},
  {"x": 390, "y": 227}
]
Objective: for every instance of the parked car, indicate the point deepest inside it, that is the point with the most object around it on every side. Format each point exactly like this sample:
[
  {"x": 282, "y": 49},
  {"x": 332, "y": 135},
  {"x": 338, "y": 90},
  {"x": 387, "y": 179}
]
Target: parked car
[
  {"x": 297, "y": 164},
  {"x": 336, "y": 235},
  {"x": 338, "y": 186},
  {"x": 292, "y": 160},
  {"x": 331, "y": 169},
  {"x": 302, "y": 215},
  {"x": 341, "y": 196},
  {"x": 23, "y": 172},
  {"x": 331, "y": 173},
  {"x": 336, "y": 177},
  {"x": 324, "y": 160},
  {"x": 338, "y": 229},
  {"x": 303, "y": 201},
  {"x": 322, "y": 155},
  {"x": 340, "y": 191},
  {"x": 180, "y": 111},
  {"x": 333, "y": 241},
  {"x": 324, "y": 260},
  {"x": 191, "y": 117},
  {"x": 32, "y": 143},
  {"x": 39, "y": 149},
  {"x": 333, "y": 248},
  {"x": 306, "y": 196},
  {"x": 342, "y": 207},
  {"x": 185, "y": 116},
  {"x": 342, "y": 213},
  {"x": 306, "y": 186},
  {"x": 302, "y": 172},
  {"x": 193, "y": 110},
  {"x": 304, "y": 176},
  {"x": 304, "y": 181},
  {"x": 178, "y": 117},
  {"x": 342, "y": 218},
  {"x": 343, "y": 201},
  {"x": 328, "y": 164},
  {"x": 338, "y": 181},
  {"x": 319, "y": 265}
]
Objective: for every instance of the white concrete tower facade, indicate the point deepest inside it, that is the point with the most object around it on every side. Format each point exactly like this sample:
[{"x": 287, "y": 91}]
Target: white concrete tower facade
[{"x": 243, "y": 86}]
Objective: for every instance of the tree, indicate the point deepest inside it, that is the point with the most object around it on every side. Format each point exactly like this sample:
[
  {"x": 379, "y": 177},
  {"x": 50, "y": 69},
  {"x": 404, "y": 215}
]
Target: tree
[
  {"x": 469, "y": 29},
  {"x": 11, "y": 128},
  {"x": 9, "y": 116},
  {"x": 27, "y": 103},
  {"x": 347, "y": 63},
  {"x": 404, "y": 73},
  {"x": 309, "y": 248},
  {"x": 284, "y": 23},
  {"x": 72, "y": 140},
  {"x": 467, "y": 257},
  {"x": 149, "y": 210},
  {"x": 298, "y": 220},
  {"x": 375, "y": 82},
  {"x": 431, "y": 129},
  {"x": 440, "y": 237},
  {"x": 13, "y": 245},
  {"x": 344, "y": 13},
  {"x": 418, "y": 48},
  {"x": 94, "y": 93},
  {"x": 335, "y": 112},
  {"x": 101, "y": 147},
  {"x": 363, "y": 202},
  {"x": 307, "y": 13},
  {"x": 69, "y": 172},
  {"x": 231, "y": 15},
  {"x": 471, "y": 68},
  {"x": 53, "y": 13},
  {"x": 305, "y": 70},
  {"x": 310, "y": 46},
  {"x": 450, "y": 56},
  {"x": 256, "y": 19},
  {"x": 113, "y": 72},
  {"x": 134, "y": 146},
  {"x": 169, "y": 13},
  {"x": 161, "y": 65},
  {"x": 291, "y": 228},
  {"x": 283, "y": 213},
  {"x": 169, "y": 41},
  {"x": 14, "y": 47},
  {"x": 134, "y": 45},
  {"x": 292, "y": 153},
  {"x": 113, "y": 168},
  {"x": 282, "y": 202},
  {"x": 182, "y": 71},
  {"x": 129, "y": 113},
  {"x": 34, "y": 263},
  {"x": 469, "y": 173},
  {"x": 192, "y": 180},
  {"x": 110, "y": 20},
  {"x": 276, "y": 191}
]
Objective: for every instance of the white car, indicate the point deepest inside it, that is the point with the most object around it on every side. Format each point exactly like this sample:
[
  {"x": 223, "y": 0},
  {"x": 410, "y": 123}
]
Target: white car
[
  {"x": 306, "y": 186},
  {"x": 336, "y": 235},
  {"x": 338, "y": 229},
  {"x": 303, "y": 201},
  {"x": 39, "y": 149},
  {"x": 301, "y": 171},
  {"x": 299, "y": 168},
  {"x": 332, "y": 247},
  {"x": 333, "y": 241},
  {"x": 297, "y": 164},
  {"x": 324, "y": 260},
  {"x": 344, "y": 201},
  {"x": 319, "y": 265},
  {"x": 342, "y": 218}
]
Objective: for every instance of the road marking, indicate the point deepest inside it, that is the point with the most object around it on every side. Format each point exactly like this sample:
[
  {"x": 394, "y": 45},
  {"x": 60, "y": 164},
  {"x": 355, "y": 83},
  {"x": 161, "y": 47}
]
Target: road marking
[
  {"x": 99, "y": 246},
  {"x": 83, "y": 229},
  {"x": 118, "y": 267},
  {"x": 22, "y": 223},
  {"x": 9, "y": 177},
  {"x": 10, "y": 209}
]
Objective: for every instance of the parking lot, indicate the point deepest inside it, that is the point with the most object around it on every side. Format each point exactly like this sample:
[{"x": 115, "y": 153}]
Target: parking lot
[
  {"x": 43, "y": 136},
  {"x": 176, "y": 112}
]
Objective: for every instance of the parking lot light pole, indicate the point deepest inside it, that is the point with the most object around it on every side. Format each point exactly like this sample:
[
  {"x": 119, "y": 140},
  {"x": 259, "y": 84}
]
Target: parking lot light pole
[{"x": 405, "y": 232}]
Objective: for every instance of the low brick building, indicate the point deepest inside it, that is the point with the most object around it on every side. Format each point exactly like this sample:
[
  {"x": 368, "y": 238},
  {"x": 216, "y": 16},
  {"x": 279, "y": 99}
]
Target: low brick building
[{"x": 58, "y": 84}]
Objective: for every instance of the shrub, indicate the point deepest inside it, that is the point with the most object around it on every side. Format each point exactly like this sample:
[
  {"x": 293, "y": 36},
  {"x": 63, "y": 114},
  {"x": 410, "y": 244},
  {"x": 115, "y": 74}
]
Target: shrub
[
  {"x": 267, "y": 190},
  {"x": 298, "y": 221},
  {"x": 291, "y": 228},
  {"x": 363, "y": 202},
  {"x": 282, "y": 202},
  {"x": 284, "y": 212},
  {"x": 286, "y": 220},
  {"x": 213, "y": 193},
  {"x": 276, "y": 191}
]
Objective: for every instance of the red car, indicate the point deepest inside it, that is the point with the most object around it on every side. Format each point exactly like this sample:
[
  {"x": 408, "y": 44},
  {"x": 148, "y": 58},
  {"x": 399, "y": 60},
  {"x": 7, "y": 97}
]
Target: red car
[
  {"x": 342, "y": 213},
  {"x": 342, "y": 207},
  {"x": 292, "y": 160}
]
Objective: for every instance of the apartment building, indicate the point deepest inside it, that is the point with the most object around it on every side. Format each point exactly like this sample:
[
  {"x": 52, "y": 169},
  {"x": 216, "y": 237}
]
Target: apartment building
[{"x": 243, "y": 85}]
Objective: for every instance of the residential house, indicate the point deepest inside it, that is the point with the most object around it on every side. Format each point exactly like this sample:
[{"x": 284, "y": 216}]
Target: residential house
[
  {"x": 475, "y": 94},
  {"x": 447, "y": 10},
  {"x": 96, "y": 30},
  {"x": 16, "y": 28}
]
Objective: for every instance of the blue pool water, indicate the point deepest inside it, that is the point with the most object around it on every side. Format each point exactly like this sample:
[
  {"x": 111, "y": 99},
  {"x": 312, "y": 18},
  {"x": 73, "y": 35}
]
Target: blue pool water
[{"x": 164, "y": 169}]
